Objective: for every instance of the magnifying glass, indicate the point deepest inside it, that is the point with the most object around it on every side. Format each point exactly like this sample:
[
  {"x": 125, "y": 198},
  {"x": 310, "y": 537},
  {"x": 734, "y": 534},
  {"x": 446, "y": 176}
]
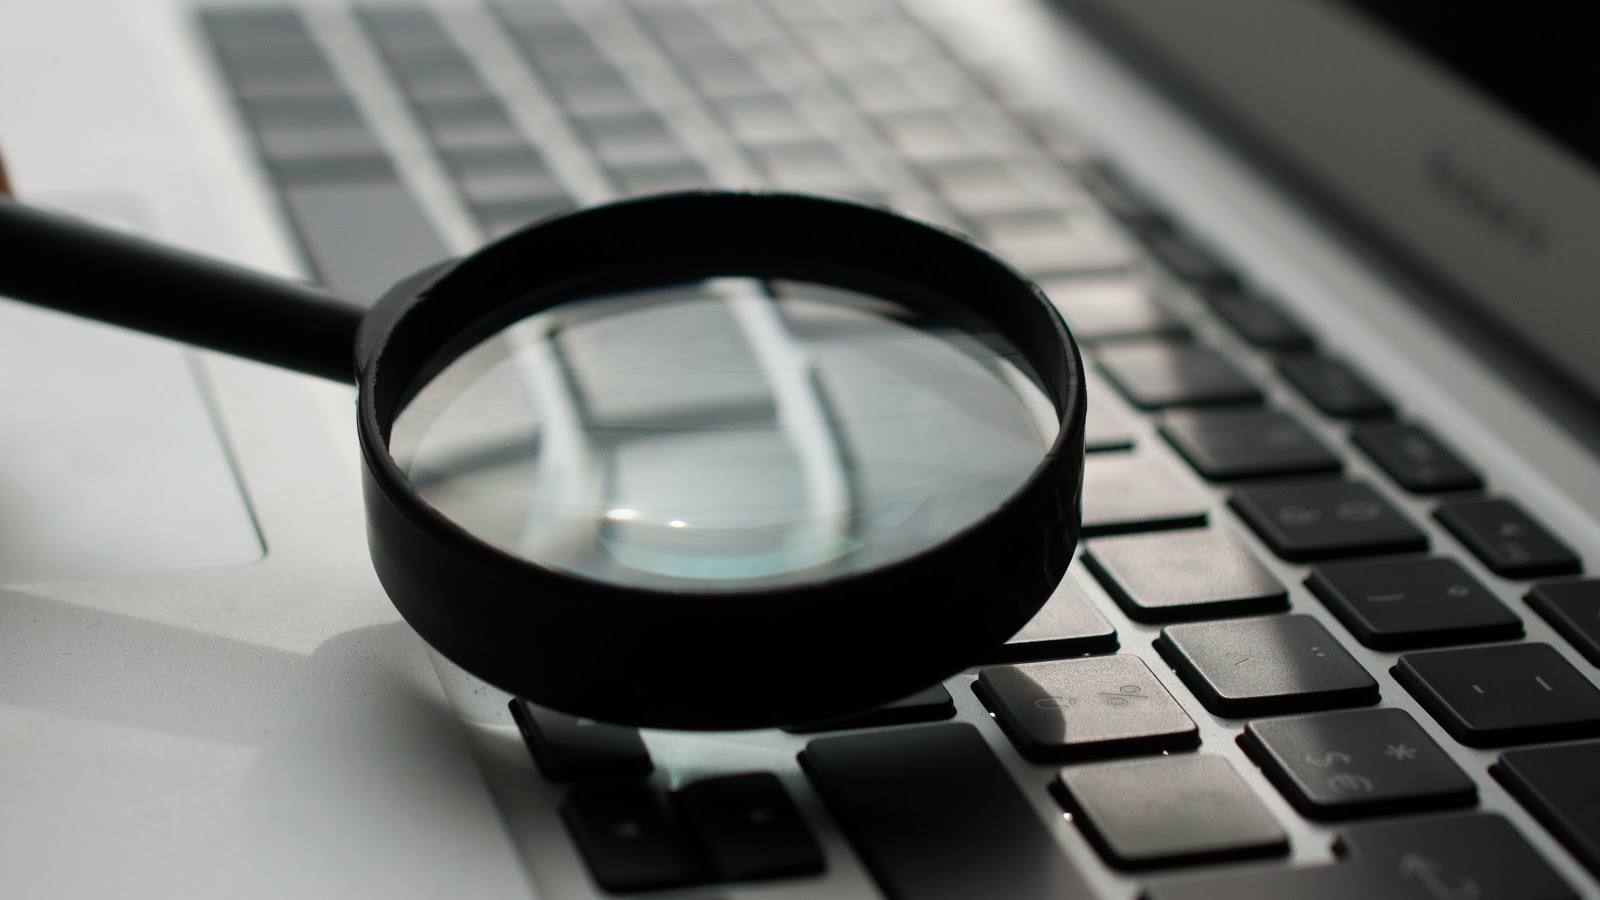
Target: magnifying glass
[{"x": 710, "y": 460}]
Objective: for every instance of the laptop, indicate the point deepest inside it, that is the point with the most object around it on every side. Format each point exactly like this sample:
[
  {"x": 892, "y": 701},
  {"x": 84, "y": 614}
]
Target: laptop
[{"x": 1332, "y": 629}]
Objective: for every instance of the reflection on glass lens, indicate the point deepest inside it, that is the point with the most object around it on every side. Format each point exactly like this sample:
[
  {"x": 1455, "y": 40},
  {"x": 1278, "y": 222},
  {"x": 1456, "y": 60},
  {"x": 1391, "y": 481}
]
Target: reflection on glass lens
[{"x": 725, "y": 435}]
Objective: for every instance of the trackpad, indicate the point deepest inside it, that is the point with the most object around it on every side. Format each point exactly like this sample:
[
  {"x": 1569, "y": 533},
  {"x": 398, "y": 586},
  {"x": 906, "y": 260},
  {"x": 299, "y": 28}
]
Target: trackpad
[{"x": 109, "y": 458}]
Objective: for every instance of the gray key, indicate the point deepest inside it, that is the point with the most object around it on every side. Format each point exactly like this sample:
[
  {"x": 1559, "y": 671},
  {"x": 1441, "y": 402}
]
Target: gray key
[
  {"x": 361, "y": 238},
  {"x": 1104, "y": 430},
  {"x": 1169, "y": 810},
  {"x": 1183, "y": 575},
  {"x": 1266, "y": 665},
  {"x": 1157, "y": 375},
  {"x": 1058, "y": 244},
  {"x": 1087, "y": 708},
  {"x": 1125, "y": 492},
  {"x": 1102, "y": 309},
  {"x": 1067, "y": 625},
  {"x": 935, "y": 816}
]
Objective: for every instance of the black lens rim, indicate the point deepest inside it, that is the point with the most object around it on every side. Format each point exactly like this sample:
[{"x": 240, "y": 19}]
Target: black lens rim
[{"x": 739, "y": 659}]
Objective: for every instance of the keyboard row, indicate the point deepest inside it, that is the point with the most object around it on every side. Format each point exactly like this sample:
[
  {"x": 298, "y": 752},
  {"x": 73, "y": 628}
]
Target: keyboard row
[{"x": 976, "y": 834}]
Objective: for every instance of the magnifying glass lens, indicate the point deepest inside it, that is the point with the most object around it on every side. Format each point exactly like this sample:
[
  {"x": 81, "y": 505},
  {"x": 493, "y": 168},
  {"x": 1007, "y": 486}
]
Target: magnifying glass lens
[{"x": 727, "y": 435}]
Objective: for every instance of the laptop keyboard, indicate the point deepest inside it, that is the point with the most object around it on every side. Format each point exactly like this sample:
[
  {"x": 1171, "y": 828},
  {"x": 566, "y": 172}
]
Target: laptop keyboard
[{"x": 1229, "y": 459}]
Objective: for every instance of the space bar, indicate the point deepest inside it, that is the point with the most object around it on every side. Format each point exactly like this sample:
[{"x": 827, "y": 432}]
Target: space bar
[
  {"x": 936, "y": 817},
  {"x": 361, "y": 237}
]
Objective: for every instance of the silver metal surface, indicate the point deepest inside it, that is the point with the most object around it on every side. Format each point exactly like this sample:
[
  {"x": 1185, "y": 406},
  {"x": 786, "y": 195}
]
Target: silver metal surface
[{"x": 271, "y": 729}]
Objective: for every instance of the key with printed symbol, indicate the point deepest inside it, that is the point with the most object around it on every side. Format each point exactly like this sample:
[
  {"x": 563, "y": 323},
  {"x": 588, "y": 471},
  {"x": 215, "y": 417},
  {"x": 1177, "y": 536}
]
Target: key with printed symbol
[
  {"x": 1265, "y": 666},
  {"x": 1460, "y": 856},
  {"x": 1356, "y": 763},
  {"x": 1311, "y": 520},
  {"x": 1405, "y": 604},
  {"x": 1507, "y": 539},
  {"x": 1504, "y": 694},
  {"x": 1084, "y": 708},
  {"x": 1416, "y": 459},
  {"x": 1333, "y": 387},
  {"x": 629, "y": 838}
]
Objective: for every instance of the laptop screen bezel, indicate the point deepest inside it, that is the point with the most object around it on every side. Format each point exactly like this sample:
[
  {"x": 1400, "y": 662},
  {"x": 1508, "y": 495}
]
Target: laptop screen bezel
[{"x": 1434, "y": 173}]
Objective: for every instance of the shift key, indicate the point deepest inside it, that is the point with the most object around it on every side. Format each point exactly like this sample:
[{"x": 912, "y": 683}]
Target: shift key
[{"x": 935, "y": 816}]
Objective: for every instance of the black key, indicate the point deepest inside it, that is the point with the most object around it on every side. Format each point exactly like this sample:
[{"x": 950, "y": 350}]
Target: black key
[
  {"x": 361, "y": 238},
  {"x": 927, "y": 705},
  {"x": 629, "y": 838},
  {"x": 1224, "y": 444},
  {"x": 1191, "y": 262},
  {"x": 1404, "y": 604},
  {"x": 935, "y": 816},
  {"x": 748, "y": 827},
  {"x": 1359, "y": 762},
  {"x": 1561, "y": 787},
  {"x": 1103, "y": 309},
  {"x": 1336, "y": 882},
  {"x": 1573, "y": 609},
  {"x": 1086, "y": 708},
  {"x": 1333, "y": 387},
  {"x": 1122, "y": 200},
  {"x": 1169, "y": 811},
  {"x": 1191, "y": 574},
  {"x": 1506, "y": 694},
  {"x": 1067, "y": 625},
  {"x": 1157, "y": 375},
  {"x": 1125, "y": 492},
  {"x": 567, "y": 748},
  {"x": 1324, "y": 519},
  {"x": 1258, "y": 321},
  {"x": 1266, "y": 665},
  {"x": 1506, "y": 539},
  {"x": 1459, "y": 856},
  {"x": 1414, "y": 458}
]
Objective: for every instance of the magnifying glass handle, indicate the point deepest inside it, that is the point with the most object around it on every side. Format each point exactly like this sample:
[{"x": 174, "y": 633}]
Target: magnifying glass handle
[{"x": 70, "y": 265}]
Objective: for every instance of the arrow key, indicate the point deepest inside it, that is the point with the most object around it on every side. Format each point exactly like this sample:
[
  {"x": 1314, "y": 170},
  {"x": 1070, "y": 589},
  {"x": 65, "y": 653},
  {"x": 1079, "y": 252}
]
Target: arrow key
[{"x": 1465, "y": 856}]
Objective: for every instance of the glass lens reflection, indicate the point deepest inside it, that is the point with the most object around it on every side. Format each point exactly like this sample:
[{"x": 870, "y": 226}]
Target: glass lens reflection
[{"x": 725, "y": 435}]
